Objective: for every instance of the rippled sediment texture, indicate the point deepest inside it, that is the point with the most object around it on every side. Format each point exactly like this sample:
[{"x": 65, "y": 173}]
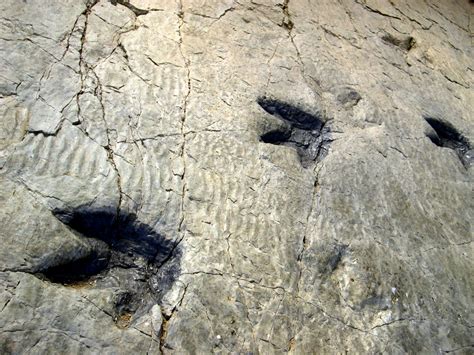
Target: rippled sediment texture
[{"x": 347, "y": 231}]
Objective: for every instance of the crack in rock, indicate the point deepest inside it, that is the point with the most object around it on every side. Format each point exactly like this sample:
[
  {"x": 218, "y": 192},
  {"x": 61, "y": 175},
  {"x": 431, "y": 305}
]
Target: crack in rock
[{"x": 131, "y": 7}]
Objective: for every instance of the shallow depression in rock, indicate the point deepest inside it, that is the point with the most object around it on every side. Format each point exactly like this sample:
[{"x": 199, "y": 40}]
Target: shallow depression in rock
[
  {"x": 303, "y": 131},
  {"x": 124, "y": 253},
  {"x": 445, "y": 135}
]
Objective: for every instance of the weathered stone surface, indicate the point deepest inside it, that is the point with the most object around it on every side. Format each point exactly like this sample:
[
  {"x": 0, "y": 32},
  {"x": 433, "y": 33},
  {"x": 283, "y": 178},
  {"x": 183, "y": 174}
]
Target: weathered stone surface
[{"x": 218, "y": 176}]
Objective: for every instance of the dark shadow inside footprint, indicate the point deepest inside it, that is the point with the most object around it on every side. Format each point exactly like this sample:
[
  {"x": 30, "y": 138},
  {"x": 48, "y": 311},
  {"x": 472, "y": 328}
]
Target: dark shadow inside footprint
[
  {"x": 303, "y": 131},
  {"x": 123, "y": 233},
  {"x": 78, "y": 270},
  {"x": 446, "y": 136},
  {"x": 123, "y": 253}
]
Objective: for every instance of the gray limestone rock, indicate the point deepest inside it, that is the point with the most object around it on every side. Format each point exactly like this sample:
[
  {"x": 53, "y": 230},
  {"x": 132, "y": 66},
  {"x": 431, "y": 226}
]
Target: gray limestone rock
[{"x": 264, "y": 176}]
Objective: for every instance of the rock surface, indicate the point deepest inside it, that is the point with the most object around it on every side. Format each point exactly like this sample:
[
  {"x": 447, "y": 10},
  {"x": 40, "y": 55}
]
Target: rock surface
[{"x": 259, "y": 176}]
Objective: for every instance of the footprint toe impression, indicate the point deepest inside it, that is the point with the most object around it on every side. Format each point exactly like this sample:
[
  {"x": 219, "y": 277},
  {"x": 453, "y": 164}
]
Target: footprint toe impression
[
  {"x": 124, "y": 254},
  {"x": 446, "y": 136},
  {"x": 303, "y": 131}
]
